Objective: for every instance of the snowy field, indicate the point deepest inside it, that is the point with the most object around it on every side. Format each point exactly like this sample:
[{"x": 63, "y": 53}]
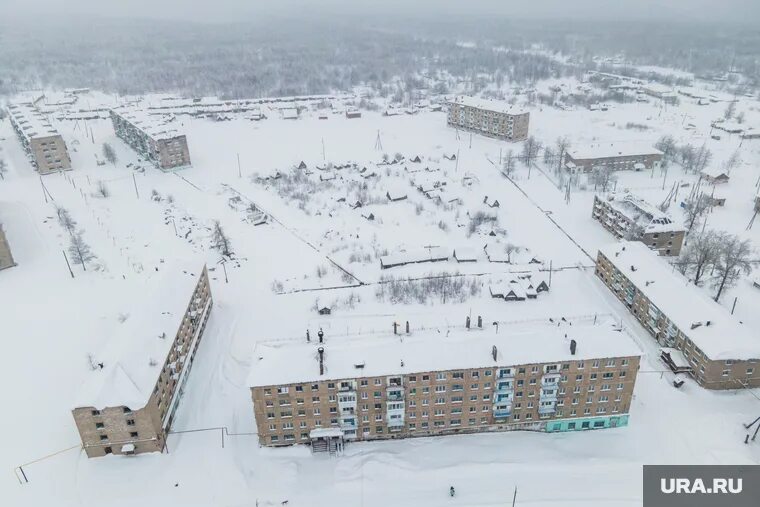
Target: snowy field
[{"x": 50, "y": 322}]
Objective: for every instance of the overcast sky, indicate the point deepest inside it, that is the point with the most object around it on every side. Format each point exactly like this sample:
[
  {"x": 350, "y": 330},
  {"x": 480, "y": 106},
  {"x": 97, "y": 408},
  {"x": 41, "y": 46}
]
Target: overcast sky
[{"x": 747, "y": 11}]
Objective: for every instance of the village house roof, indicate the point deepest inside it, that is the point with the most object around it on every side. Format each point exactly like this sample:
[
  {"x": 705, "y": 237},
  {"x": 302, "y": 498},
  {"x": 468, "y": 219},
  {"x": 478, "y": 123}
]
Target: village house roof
[
  {"x": 717, "y": 334},
  {"x": 611, "y": 150},
  {"x": 278, "y": 363},
  {"x": 136, "y": 353}
]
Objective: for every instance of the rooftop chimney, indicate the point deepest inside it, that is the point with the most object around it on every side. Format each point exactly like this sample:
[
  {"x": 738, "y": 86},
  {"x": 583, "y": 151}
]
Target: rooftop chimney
[
  {"x": 321, "y": 352},
  {"x": 494, "y": 352},
  {"x": 573, "y": 346}
]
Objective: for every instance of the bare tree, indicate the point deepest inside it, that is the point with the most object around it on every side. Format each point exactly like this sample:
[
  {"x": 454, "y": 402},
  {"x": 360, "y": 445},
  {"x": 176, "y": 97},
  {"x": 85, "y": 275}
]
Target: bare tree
[
  {"x": 687, "y": 156},
  {"x": 509, "y": 249},
  {"x": 733, "y": 161},
  {"x": 220, "y": 240},
  {"x": 65, "y": 220},
  {"x": 562, "y": 145},
  {"x": 730, "y": 110},
  {"x": 548, "y": 155},
  {"x": 603, "y": 177},
  {"x": 734, "y": 258},
  {"x": 102, "y": 190},
  {"x": 700, "y": 254},
  {"x": 509, "y": 162},
  {"x": 695, "y": 208},
  {"x": 530, "y": 150},
  {"x": 702, "y": 159},
  {"x": 79, "y": 250},
  {"x": 667, "y": 145},
  {"x": 109, "y": 153},
  {"x": 3, "y": 168}
]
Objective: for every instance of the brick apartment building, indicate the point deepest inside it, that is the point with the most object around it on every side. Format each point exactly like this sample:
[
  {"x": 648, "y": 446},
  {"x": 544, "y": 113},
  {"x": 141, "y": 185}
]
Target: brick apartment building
[
  {"x": 151, "y": 137},
  {"x": 130, "y": 399},
  {"x": 628, "y": 216},
  {"x": 697, "y": 333},
  {"x": 6, "y": 258},
  {"x": 616, "y": 156},
  {"x": 44, "y": 146},
  {"x": 492, "y": 118},
  {"x": 391, "y": 387}
]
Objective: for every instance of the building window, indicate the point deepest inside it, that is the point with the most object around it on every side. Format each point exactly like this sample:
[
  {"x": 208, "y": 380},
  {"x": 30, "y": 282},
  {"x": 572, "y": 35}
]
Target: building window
[
  {"x": 104, "y": 437},
  {"x": 130, "y": 422},
  {"x": 133, "y": 434}
]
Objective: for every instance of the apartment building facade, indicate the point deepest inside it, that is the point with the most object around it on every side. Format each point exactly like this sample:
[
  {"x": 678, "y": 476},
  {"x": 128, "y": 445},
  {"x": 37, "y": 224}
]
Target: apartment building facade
[
  {"x": 492, "y": 118},
  {"x": 129, "y": 402},
  {"x": 613, "y": 156},
  {"x": 721, "y": 353},
  {"x": 627, "y": 216},
  {"x": 568, "y": 393},
  {"x": 43, "y": 145},
  {"x": 153, "y": 139},
  {"x": 6, "y": 258}
]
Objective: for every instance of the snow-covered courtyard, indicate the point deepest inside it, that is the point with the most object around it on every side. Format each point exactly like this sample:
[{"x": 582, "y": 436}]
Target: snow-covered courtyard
[{"x": 318, "y": 248}]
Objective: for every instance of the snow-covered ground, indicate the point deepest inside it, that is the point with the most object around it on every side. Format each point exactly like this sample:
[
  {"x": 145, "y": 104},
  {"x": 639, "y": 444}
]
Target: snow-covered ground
[{"x": 49, "y": 322}]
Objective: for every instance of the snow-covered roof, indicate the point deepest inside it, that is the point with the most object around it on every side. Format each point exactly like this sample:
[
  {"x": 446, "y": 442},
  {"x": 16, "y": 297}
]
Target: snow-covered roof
[
  {"x": 683, "y": 303},
  {"x": 610, "y": 150},
  {"x": 498, "y": 106},
  {"x": 641, "y": 212},
  {"x": 134, "y": 357},
  {"x": 413, "y": 255},
  {"x": 714, "y": 172},
  {"x": 32, "y": 122},
  {"x": 153, "y": 125},
  {"x": 277, "y": 363}
]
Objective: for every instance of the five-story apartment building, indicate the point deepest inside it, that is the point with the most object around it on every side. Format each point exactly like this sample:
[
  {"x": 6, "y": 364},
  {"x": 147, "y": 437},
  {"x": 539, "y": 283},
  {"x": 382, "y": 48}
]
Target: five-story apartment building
[
  {"x": 492, "y": 118},
  {"x": 151, "y": 137},
  {"x": 130, "y": 399},
  {"x": 395, "y": 387},
  {"x": 630, "y": 217},
  {"x": 694, "y": 331},
  {"x": 44, "y": 146}
]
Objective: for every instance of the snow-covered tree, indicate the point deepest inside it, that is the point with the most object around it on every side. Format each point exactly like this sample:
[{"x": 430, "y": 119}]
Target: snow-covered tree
[
  {"x": 65, "y": 220},
  {"x": 695, "y": 209},
  {"x": 603, "y": 177},
  {"x": 700, "y": 254},
  {"x": 734, "y": 258},
  {"x": 109, "y": 153},
  {"x": 79, "y": 250},
  {"x": 101, "y": 189},
  {"x": 220, "y": 240}
]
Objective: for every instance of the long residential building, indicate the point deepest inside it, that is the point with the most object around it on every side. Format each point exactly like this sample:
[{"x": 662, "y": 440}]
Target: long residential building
[
  {"x": 130, "y": 398},
  {"x": 6, "y": 259},
  {"x": 44, "y": 146},
  {"x": 539, "y": 378},
  {"x": 614, "y": 156},
  {"x": 151, "y": 137},
  {"x": 628, "y": 216},
  {"x": 492, "y": 118},
  {"x": 698, "y": 334}
]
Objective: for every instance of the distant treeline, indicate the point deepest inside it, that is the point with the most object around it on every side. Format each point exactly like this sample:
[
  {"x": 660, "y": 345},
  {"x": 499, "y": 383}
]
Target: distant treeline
[{"x": 325, "y": 55}]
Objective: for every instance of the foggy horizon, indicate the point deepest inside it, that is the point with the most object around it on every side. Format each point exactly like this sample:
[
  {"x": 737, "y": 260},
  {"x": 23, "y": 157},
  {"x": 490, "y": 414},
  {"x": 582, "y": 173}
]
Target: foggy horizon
[{"x": 740, "y": 12}]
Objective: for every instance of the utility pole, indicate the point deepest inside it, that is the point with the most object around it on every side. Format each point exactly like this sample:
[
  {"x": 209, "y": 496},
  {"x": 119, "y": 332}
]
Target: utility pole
[
  {"x": 67, "y": 263},
  {"x": 134, "y": 180},
  {"x": 240, "y": 173}
]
